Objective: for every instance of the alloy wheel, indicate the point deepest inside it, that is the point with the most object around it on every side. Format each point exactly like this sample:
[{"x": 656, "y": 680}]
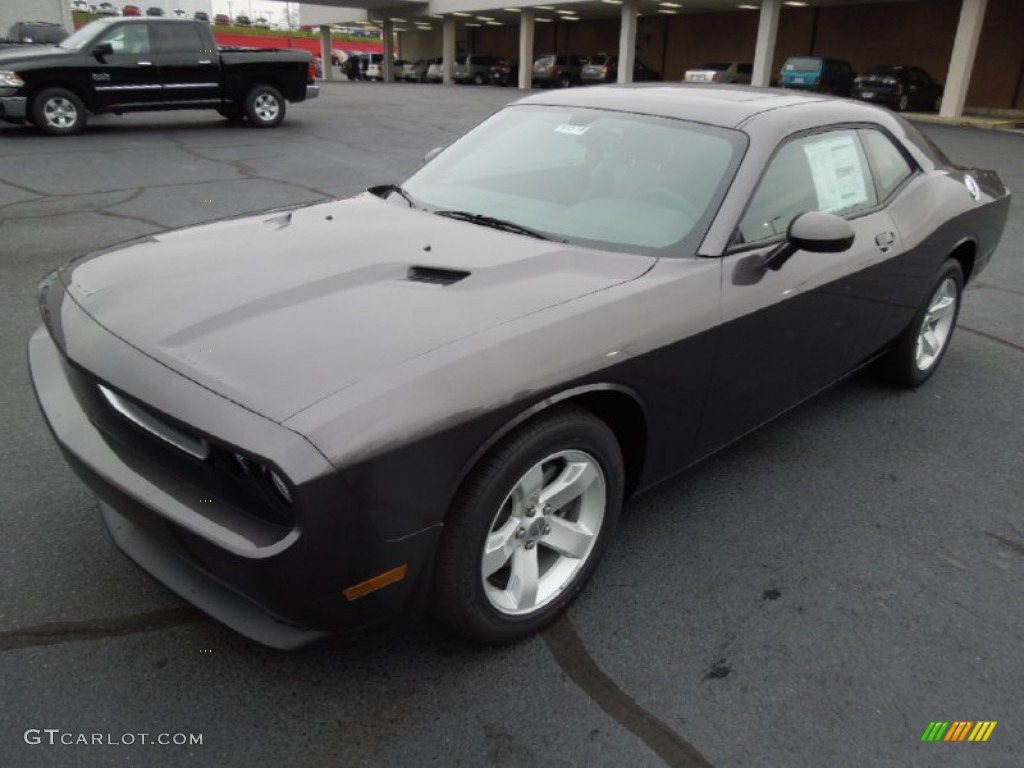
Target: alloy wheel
[
  {"x": 937, "y": 325},
  {"x": 544, "y": 532},
  {"x": 60, "y": 112},
  {"x": 266, "y": 106}
]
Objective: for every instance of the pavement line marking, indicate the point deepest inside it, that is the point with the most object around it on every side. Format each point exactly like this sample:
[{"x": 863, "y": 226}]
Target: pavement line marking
[
  {"x": 58, "y": 632},
  {"x": 572, "y": 656},
  {"x": 992, "y": 337}
]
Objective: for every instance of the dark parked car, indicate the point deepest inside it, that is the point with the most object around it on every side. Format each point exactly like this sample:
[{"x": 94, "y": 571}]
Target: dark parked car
[
  {"x": 605, "y": 69},
  {"x": 301, "y": 441},
  {"x": 34, "y": 33},
  {"x": 243, "y": 21},
  {"x": 202, "y": 16},
  {"x": 505, "y": 73},
  {"x": 474, "y": 68},
  {"x": 899, "y": 87},
  {"x": 132, "y": 65},
  {"x": 154, "y": 10},
  {"x": 815, "y": 73},
  {"x": 558, "y": 70}
]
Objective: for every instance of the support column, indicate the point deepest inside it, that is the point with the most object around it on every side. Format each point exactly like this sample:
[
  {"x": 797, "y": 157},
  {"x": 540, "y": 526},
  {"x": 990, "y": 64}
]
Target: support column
[
  {"x": 388, "y": 65},
  {"x": 961, "y": 63},
  {"x": 526, "y": 26},
  {"x": 448, "y": 48},
  {"x": 325, "y": 51},
  {"x": 627, "y": 41},
  {"x": 764, "y": 52}
]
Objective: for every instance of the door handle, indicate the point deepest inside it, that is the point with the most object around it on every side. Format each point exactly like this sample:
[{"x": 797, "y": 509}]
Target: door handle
[
  {"x": 885, "y": 241},
  {"x": 145, "y": 63},
  {"x": 204, "y": 61}
]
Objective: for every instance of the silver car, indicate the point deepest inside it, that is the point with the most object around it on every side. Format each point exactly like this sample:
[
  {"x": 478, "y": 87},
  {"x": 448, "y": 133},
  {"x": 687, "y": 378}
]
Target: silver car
[{"x": 720, "y": 72}]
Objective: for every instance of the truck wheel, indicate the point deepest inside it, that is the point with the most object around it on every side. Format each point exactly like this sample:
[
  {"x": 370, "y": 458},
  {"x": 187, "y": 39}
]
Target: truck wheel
[
  {"x": 265, "y": 106},
  {"x": 58, "y": 112}
]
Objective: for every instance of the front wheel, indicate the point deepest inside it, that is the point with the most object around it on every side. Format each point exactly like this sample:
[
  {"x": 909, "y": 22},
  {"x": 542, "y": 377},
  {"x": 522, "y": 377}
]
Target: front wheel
[
  {"x": 528, "y": 528},
  {"x": 903, "y": 103},
  {"x": 921, "y": 347},
  {"x": 564, "y": 81},
  {"x": 58, "y": 112},
  {"x": 265, "y": 106}
]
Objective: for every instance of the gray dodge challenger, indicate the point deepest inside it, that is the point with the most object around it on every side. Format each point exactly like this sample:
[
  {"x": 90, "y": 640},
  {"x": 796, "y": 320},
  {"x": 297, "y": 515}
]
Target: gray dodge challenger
[{"x": 437, "y": 395}]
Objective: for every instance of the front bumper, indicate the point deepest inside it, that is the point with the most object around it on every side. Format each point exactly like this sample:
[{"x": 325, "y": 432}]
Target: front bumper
[
  {"x": 312, "y": 91},
  {"x": 15, "y": 107},
  {"x": 280, "y": 586}
]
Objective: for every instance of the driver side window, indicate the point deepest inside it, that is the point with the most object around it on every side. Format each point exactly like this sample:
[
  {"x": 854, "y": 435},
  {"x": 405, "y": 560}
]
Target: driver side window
[
  {"x": 820, "y": 172},
  {"x": 130, "y": 39}
]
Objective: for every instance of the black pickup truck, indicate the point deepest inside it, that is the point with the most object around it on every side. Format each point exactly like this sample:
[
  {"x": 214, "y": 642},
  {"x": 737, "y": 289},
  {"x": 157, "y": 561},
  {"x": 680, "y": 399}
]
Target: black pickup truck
[{"x": 131, "y": 65}]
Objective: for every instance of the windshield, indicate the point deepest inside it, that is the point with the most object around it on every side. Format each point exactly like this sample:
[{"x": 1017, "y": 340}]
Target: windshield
[
  {"x": 82, "y": 37},
  {"x": 803, "y": 65},
  {"x": 604, "y": 179}
]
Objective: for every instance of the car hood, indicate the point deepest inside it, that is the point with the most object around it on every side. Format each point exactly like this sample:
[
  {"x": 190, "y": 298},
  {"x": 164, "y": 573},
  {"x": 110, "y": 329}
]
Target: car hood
[
  {"x": 21, "y": 52},
  {"x": 280, "y": 310}
]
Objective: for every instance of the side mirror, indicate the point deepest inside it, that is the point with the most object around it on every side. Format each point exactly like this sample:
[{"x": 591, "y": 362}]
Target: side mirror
[
  {"x": 814, "y": 232},
  {"x": 102, "y": 49},
  {"x": 432, "y": 154}
]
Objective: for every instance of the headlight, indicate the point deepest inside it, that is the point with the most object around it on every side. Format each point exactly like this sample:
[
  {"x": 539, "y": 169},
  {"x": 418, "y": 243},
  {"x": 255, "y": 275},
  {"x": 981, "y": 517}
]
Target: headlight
[{"x": 10, "y": 79}]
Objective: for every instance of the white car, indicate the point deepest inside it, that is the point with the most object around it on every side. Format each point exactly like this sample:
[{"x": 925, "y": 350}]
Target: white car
[
  {"x": 720, "y": 72},
  {"x": 79, "y": 5}
]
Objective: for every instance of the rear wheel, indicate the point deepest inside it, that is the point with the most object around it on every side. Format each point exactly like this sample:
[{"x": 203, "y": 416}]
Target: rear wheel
[
  {"x": 564, "y": 81},
  {"x": 528, "y": 528},
  {"x": 921, "y": 347},
  {"x": 903, "y": 103},
  {"x": 58, "y": 112},
  {"x": 937, "y": 106},
  {"x": 265, "y": 106},
  {"x": 478, "y": 79}
]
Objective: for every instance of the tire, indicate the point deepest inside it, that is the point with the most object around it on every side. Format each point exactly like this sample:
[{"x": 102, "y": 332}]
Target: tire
[
  {"x": 58, "y": 112},
  {"x": 921, "y": 347},
  {"x": 478, "y": 79},
  {"x": 564, "y": 81},
  {"x": 423, "y": 77},
  {"x": 232, "y": 113},
  {"x": 937, "y": 106},
  {"x": 903, "y": 103},
  {"x": 503, "y": 503},
  {"x": 265, "y": 106}
]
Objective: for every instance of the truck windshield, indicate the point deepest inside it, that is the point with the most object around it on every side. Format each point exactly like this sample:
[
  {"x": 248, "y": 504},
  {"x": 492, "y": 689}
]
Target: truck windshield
[{"x": 86, "y": 34}]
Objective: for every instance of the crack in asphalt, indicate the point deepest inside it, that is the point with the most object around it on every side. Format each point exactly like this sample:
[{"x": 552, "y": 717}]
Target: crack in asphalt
[
  {"x": 1006, "y": 541},
  {"x": 59, "y": 632},
  {"x": 574, "y": 659},
  {"x": 992, "y": 337}
]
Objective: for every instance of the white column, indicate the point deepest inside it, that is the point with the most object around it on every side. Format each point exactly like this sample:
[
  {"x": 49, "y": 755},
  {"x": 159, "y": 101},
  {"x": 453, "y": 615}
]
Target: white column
[
  {"x": 961, "y": 63},
  {"x": 627, "y": 41},
  {"x": 526, "y": 25},
  {"x": 448, "y": 48},
  {"x": 388, "y": 65},
  {"x": 325, "y": 52},
  {"x": 764, "y": 52}
]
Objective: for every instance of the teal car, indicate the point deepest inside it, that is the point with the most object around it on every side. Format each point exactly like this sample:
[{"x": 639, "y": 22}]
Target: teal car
[{"x": 816, "y": 73}]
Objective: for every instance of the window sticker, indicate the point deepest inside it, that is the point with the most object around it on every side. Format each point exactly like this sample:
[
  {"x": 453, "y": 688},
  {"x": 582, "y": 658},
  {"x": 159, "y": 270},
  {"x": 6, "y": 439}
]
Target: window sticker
[
  {"x": 572, "y": 130},
  {"x": 839, "y": 177}
]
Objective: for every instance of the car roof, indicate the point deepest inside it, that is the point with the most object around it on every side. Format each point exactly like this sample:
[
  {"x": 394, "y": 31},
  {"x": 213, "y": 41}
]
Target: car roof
[{"x": 726, "y": 106}]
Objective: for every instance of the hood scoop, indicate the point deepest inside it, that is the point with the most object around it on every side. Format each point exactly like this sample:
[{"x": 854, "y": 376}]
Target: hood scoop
[{"x": 436, "y": 275}]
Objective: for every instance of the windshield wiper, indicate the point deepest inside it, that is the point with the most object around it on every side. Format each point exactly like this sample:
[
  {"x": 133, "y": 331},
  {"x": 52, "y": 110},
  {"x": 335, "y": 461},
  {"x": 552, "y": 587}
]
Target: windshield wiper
[
  {"x": 490, "y": 221},
  {"x": 387, "y": 189}
]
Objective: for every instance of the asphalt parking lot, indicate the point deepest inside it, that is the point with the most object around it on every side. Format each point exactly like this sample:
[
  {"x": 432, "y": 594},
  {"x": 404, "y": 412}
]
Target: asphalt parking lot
[{"x": 812, "y": 597}]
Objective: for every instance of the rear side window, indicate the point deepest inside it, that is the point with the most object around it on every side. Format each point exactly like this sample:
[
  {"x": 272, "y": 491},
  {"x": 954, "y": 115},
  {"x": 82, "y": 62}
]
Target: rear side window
[
  {"x": 178, "y": 38},
  {"x": 821, "y": 172},
  {"x": 891, "y": 167}
]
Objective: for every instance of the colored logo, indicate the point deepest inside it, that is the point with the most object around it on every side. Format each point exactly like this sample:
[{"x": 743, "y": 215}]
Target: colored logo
[{"x": 958, "y": 730}]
